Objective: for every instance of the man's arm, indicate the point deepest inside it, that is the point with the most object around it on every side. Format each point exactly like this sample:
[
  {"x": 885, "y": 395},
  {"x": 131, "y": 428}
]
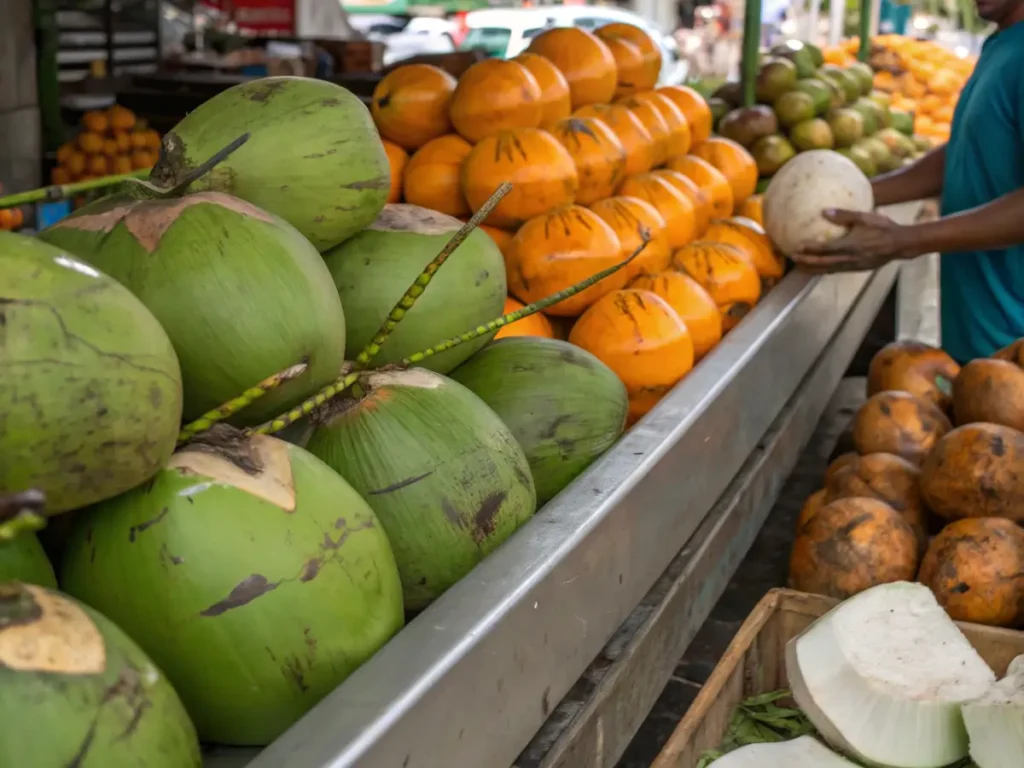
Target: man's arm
[
  {"x": 921, "y": 180},
  {"x": 874, "y": 240}
]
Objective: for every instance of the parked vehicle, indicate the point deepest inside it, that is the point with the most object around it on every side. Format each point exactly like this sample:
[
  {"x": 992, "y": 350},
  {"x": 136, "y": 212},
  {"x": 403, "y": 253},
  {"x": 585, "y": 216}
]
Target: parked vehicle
[
  {"x": 407, "y": 36},
  {"x": 504, "y": 33}
]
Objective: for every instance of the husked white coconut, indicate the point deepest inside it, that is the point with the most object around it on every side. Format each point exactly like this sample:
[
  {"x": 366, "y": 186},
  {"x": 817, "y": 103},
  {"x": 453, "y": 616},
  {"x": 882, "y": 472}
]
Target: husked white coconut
[
  {"x": 807, "y": 185},
  {"x": 882, "y": 677},
  {"x": 995, "y": 722},
  {"x": 805, "y": 752}
]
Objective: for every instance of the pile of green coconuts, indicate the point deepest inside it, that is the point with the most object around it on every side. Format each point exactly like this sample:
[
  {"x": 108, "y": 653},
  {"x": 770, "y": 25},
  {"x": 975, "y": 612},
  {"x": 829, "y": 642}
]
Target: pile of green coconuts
[{"x": 210, "y": 584}]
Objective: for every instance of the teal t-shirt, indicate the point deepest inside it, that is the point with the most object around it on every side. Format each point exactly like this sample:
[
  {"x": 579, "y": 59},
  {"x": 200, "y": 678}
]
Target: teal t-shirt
[{"x": 982, "y": 295}]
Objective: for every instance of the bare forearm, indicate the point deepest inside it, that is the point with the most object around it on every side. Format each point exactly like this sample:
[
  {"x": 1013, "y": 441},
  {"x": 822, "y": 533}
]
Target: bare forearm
[
  {"x": 995, "y": 225},
  {"x": 921, "y": 180}
]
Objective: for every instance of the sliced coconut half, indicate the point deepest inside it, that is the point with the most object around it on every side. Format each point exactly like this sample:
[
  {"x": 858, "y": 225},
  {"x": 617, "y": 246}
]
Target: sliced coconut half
[
  {"x": 882, "y": 677},
  {"x": 805, "y": 752},
  {"x": 995, "y": 722}
]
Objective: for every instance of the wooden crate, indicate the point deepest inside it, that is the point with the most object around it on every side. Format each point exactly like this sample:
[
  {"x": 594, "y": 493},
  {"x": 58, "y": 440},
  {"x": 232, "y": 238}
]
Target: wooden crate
[{"x": 755, "y": 663}]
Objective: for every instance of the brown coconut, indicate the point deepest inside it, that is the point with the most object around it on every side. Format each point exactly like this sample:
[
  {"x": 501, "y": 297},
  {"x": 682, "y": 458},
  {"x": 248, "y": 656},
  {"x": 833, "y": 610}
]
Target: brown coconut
[
  {"x": 851, "y": 545},
  {"x": 977, "y": 470},
  {"x": 991, "y": 391},
  {"x": 916, "y": 368},
  {"x": 975, "y": 567},
  {"x": 898, "y": 423}
]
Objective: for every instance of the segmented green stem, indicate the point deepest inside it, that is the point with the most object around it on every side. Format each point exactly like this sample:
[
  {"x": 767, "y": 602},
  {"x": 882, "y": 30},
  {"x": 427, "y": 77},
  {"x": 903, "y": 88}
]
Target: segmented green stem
[
  {"x": 305, "y": 408},
  {"x": 21, "y": 513},
  {"x": 410, "y": 297},
  {"x": 57, "y": 192},
  {"x": 519, "y": 314},
  {"x": 244, "y": 400}
]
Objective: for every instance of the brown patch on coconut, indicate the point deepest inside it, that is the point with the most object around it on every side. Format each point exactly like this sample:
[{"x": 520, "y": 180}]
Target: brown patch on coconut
[
  {"x": 43, "y": 631},
  {"x": 403, "y": 217},
  {"x": 101, "y": 221},
  {"x": 149, "y": 220},
  {"x": 259, "y": 465}
]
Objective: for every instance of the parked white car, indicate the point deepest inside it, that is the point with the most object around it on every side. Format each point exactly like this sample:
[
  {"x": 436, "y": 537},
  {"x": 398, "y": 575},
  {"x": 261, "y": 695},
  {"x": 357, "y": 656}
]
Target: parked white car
[
  {"x": 405, "y": 37},
  {"x": 504, "y": 33}
]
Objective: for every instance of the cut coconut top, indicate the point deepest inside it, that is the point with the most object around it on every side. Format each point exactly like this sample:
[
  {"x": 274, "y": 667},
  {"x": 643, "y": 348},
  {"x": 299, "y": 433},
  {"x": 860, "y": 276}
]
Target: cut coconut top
[
  {"x": 902, "y": 641},
  {"x": 805, "y": 752},
  {"x": 1008, "y": 691},
  {"x": 43, "y": 631}
]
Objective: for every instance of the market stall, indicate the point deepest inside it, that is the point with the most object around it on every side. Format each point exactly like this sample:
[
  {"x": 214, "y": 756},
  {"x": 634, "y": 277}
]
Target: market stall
[{"x": 558, "y": 629}]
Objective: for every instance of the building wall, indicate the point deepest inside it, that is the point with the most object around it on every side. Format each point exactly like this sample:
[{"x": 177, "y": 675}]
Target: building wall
[{"x": 20, "y": 135}]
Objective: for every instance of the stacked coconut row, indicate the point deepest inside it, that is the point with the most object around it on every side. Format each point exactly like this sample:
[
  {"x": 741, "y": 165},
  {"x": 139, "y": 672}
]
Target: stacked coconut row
[
  {"x": 933, "y": 488},
  {"x": 599, "y": 160},
  {"x": 215, "y": 579}
]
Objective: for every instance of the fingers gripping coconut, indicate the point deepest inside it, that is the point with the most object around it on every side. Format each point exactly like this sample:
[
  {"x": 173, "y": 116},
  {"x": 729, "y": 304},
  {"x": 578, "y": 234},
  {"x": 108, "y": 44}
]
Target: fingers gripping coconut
[
  {"x": 75, "y": 690},
  {"x": 810, "y": 184}
]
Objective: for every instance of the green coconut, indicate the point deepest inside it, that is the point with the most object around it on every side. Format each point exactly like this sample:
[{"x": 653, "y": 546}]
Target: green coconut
[
  {"x": 375, "y": 268},
  {"x": 445, "y": 476},
  {"x": 250, "y": 572},
  {"x": 240, "y": 292},
  {"x": 564, "y": 406},
  {"x": 76, "y": 691},
  {"x": 313, "y": 157},
  {"x": 23, "y": 559},
  {"x": 90, "y": 388}
]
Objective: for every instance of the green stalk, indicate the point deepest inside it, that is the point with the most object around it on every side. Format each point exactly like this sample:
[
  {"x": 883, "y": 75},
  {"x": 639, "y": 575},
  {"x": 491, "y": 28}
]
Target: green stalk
[
  {"x": 57, "y": 192},
  {"x": 409, "y": 298},
  {"x": 347, "y": 378},
  {"x": 519, "y": 314},
  {"x": 864, "y": 54},
  {"x": 21, "y": 513},
  {"x": 751, "y": 49},
  {"x": 233, "y": 406},
  {"x": 305, "y": 408}
]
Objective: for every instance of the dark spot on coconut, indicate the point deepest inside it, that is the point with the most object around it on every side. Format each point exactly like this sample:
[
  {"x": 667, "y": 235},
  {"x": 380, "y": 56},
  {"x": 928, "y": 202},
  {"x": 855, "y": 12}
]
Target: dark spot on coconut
[
  {"x": 851, "y": 526},
  {"x": 565, "y": 447},
  {"x": 405, "y": 763},
  {"x": 293, "y": 671},
  {"x": 3, "y": 319},
  {"x": 545, "y": 702},
  {"x": 244, "y": 593},
  {"x": 307, "y": 635},
  {"x": 960, "y": 588},
  {"x": 988, "y": 491},
  {"x": 552, "y": 428},
  {"x": 998, "y": 445},
  {"x": 423, "y": 581},
  {"x": 263, "y": 91},
  {"x": 884, "y": 408},
  {"x": 332, "y": 102},
  {"x": 524, "y": 477},
  {"x": 78, "y": 759},
  {"x": 285, "y": 187},
  {"x": 270, "y": 653},
  {"x": 166, "y": 554},
  {"x": 319, "y": 219},
  {"x": 485, "y": 519},
  {"x": 136, "y": 529},
  {"x": 314, "y": 156},
  {"x": 380, "y": 182},
  {"x": 310, "y": 569},
  {"x": 401, "y": 484},
  {"x": 481, "y": 277},
  {"x": 450, "y": 512}
]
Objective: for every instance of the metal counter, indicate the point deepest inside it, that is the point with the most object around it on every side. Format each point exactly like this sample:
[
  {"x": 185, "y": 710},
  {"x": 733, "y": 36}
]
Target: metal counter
[{"x": 473, "y": 679}]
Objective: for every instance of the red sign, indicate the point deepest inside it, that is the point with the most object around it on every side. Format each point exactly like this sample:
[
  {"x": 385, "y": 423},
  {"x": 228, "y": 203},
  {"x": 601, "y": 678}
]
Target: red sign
[{"x": 259, "y": 16}]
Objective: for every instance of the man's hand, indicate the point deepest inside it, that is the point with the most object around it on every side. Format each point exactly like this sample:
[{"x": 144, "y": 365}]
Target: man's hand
[{"x": 872, "y": 242}]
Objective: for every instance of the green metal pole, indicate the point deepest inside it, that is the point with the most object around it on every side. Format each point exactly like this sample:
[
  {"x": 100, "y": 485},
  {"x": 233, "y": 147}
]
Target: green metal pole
[
  {"x": 751, "y": 50},
  {"x": 864, "y": 54}
]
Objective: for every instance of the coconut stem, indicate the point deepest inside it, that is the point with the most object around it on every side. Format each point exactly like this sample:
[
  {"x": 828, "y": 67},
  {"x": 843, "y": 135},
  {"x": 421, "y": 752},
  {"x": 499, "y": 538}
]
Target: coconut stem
[
  {"x": 57, "y": 192},
  {"x": 205, "y": 168},
  {"x": 233, "y": 406},
  {"x": 305, "y": 408},
  {"x": 419, "y": 285},
  {"x": 519, "y": 314},
  {"x": 21, "y": 513}
]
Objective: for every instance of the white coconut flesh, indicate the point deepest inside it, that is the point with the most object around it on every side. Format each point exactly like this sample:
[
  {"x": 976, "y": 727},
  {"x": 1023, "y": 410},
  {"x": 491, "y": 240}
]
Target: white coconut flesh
[
  {"x": 882, "y": 677},
  {"x": 805, "y": 752},
  {"x": 995, "y": 722}
]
